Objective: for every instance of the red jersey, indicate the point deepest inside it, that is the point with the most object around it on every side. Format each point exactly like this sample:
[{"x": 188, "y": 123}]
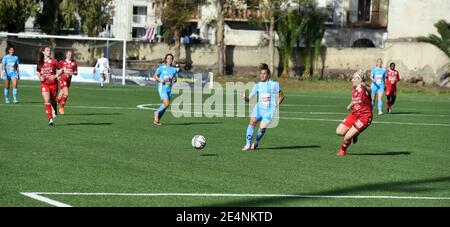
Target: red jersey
[
  {"x": 361, "y": 102},
  {"x": 48, "y": 69},
  {"x": 392, "y": 78},
  {"x": 68, "y": 67}
]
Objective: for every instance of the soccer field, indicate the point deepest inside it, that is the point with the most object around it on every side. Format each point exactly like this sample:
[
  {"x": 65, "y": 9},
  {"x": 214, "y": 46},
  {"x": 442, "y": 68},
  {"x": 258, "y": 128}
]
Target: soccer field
[{"x": 106, "y": 152}]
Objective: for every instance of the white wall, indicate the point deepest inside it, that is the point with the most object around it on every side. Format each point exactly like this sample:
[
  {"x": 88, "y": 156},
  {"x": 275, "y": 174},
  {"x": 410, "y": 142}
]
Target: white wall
[{"x": 412, "y": 18}]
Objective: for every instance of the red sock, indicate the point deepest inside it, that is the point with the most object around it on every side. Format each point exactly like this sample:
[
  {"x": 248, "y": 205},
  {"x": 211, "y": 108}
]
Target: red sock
[
  {"x": 63, "y": 101},
  {"x": 345, "y": 145},
  {"x": 58, "y": 100},
  {"x": 388, "y": 104},
  {"x": 48, "y": 111}
]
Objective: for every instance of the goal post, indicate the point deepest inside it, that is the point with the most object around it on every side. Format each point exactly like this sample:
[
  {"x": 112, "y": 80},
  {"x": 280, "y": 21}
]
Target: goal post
[{"x": 28, "y": 44}]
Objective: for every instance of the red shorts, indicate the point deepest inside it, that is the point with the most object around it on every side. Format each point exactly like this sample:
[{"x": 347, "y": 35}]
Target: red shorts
[
  {"x": 391, "y": 92},
  {"x": 53, "y": 89},
  {"x": 360, "y": 123},
  {"x": 64, "y": 82}
]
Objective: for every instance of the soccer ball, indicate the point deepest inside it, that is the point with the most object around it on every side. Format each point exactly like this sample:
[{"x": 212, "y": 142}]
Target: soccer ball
[{"x": 199, "y": 142}]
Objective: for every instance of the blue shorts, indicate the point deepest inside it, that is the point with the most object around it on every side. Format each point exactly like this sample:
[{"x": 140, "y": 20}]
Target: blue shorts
[
  {"x": 263, "y": 115},
  {"x": 164, "y": 93},
  {"x": 9, "y": 76},
  {"x": 377, "y": 88}
]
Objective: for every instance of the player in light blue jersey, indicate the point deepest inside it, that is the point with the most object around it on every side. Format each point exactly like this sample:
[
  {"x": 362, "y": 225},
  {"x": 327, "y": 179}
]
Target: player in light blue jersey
[
  {"x": 378, "y": 76},
  {"x": 166, "y": 75},
  {"x": 270, "y": 97},
  {"x": 10, "y": 72}
]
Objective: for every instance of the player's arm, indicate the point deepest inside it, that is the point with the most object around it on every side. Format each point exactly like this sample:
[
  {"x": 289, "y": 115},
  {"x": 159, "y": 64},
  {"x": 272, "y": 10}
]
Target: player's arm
[
  {"x": 350, "y": 106},
  {"x": 156, "y": 76},
  {"x": 96, "y": 65},
  {"x": 281, "y": 98},
  {"x": 18, "y": 72},
  {"x": 75, "y": 67},
  {"x": 2, "y": 67}
]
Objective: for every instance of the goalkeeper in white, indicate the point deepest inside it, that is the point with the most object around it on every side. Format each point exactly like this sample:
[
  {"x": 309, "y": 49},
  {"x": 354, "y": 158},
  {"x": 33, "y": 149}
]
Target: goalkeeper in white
[{"x": 103, "y": 67}]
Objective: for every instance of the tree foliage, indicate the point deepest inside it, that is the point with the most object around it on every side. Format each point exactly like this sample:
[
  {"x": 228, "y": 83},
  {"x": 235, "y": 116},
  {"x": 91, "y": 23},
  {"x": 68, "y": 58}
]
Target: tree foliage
[
  {"x": 442, "y": 42},
  {"x": 14, "y": 14}
]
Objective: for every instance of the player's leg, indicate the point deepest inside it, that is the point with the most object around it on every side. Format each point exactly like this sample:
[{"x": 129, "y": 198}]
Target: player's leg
[
  {"x": 15, "y": 91},
  {"x": 393, "y": 98},
  {"x": 351, "y": 133},
  {"x": 64, "y": 93},
  {"x": 102, "y": 76},
  {"x": 388, "y": 103},
  {"x": 265, "y": 122},
  {"x": 48, "y": 106},
  {"x": 380, "y": 103},
  {"x": 6, "y": 90},
  {"x": 249, "y": 134},
  {"x": 159, "y": 113},
  {"x": 342, "y": 129},
  {"x": 53, "y": 93},
  {"x": 374, "y": 89}
]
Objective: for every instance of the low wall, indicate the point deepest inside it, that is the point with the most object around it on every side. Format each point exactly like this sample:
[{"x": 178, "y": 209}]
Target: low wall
[{"x": 413, "y": 59}]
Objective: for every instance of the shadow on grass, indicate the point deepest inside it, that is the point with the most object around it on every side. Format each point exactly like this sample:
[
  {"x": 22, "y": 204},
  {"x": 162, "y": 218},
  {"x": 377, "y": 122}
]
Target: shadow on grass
[
  {"x": 94, "y": 114},
  {"x": 208, "y": 155},
  {"x": 86, "y": 124},
  {"x": 382, "y": 153},
  {"x": 194, "y": 123},
  {"x": 295, "y": 147},
  {"x": 395, "y": 187},
  {"x": 403, "y": 113}
]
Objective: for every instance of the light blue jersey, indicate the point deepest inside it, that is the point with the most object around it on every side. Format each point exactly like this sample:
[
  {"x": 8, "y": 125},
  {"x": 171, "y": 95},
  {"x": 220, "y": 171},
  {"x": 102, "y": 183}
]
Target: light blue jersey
[
  {"x": 11, "y": 63},
  {"x": 167, "y": 74},
  {"x": 266, "y": 106},
  {"x": 378, "y": 75}
]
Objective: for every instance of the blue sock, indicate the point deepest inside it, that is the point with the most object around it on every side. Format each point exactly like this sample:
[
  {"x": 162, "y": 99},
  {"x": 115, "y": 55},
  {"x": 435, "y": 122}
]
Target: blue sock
[
  {"x": 161, "y": 110},
  {"x": 6, "y": 92},
  {"x": 261, "y": 133},
  {"x": 380, "y": 105},
  {"x": 250, "y": 130},
  {"x": 15, "y": 93}
]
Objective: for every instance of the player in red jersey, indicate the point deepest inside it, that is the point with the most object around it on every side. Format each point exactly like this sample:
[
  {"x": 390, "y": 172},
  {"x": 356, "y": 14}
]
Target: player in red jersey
[
  {"x": 361, "y": 113},
  {"x": 391, "y": 86},
  {"x": 48, "y": 73},
  {"x": 69, "y": 68}
]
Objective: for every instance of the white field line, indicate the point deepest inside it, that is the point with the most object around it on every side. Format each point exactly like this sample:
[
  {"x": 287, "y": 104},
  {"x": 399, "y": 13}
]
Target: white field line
[
  {"x": 39, "y": 196},
  {"x": 144, "y": 106},
  {"x": 52, "y": 202}
]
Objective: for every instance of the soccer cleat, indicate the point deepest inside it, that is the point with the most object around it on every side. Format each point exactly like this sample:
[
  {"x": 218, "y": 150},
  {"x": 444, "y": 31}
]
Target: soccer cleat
[
  {"x": 61, "y": 111},
  {"x": 380, "y": 113},
  {"x": 341, "y": 153},
  {"x": 390, "y": 110},
  {"x": 355, "y": 140},
  {"x": 246, "y": 147},
  {"x": 51, "y": 122},
  {"x": 7, "y": 101},
  {"x": 254, "y": 146},
  {"x": 16, "y": 101},
  {"x": 158, "y": 123}
]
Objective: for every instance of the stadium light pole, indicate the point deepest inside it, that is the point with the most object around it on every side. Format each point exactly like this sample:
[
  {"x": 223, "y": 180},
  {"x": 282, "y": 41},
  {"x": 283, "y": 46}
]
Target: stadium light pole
[{"x": 6, "y": 34}]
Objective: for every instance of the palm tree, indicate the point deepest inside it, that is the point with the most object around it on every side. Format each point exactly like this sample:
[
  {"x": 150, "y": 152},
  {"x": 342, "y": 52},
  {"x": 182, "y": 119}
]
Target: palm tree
[
  {"x": 442, "y": 42},
  {"x": 312, "y": 31},
  {"x": 288, "y": 28}
]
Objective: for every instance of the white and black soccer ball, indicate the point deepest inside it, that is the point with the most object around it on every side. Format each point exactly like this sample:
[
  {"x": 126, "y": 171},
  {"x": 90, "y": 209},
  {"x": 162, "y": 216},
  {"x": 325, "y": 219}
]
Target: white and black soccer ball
[{"x": 198, "y": 142}]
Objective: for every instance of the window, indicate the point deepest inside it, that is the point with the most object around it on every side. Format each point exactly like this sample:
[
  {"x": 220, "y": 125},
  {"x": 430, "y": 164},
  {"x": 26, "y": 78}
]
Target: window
[
  {"x": 140, "y": 10},
  {"x": 364, "y": 10},
  {"x": 138, "y": 32}
]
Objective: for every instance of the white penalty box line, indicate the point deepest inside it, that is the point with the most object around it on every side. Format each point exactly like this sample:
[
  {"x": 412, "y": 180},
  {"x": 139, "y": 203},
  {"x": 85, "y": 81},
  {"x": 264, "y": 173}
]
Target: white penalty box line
[{"x": 41, "y": 196}]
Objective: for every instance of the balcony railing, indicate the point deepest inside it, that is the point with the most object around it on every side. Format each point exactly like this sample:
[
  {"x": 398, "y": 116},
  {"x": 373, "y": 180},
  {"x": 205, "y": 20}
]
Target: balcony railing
[
  {"x": 243, "y": 14},
  {"x": 140, "y": 19}
]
